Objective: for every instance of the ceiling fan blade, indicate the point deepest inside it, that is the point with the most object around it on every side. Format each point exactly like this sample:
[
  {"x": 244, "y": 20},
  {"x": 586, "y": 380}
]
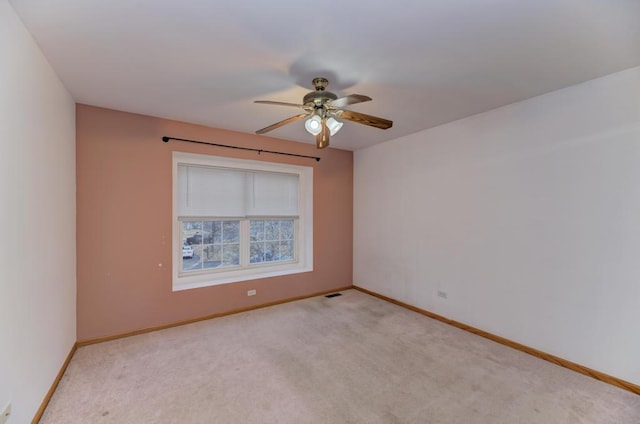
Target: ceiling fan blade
[
  {"x": 322, "y": 139},
  {"x": 361, "y": 118},
  {"x": 269, "y": 102},
  {"x": 351, "y": 99},
  {"x": 281, "y": 123}
]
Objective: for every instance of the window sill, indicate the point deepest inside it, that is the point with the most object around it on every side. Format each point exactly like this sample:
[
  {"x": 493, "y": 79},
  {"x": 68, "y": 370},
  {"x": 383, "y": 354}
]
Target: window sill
[{"x": 188, "y": 282}]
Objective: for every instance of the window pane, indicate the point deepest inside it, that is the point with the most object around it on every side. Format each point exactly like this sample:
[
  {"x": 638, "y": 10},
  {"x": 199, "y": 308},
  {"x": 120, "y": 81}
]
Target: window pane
[
  {"x": 231, "y": 231},
  {"x": 286, "y": 229},
  {"x": 271, "y": 251},
  {"x": 216, "y": 231},
  {"x": 257, "y": 230},
  {"x": 209, "y": 256},
  {"x": 286, "y": 250},
  {"x": 197, "y": 258},
  {"x": 271, "y": 230},
  {"x": 231, "y": 254},
  {"x": 192, "y": 232},
  {"x": 190, "y": 260},
  {"x": 256, "y": 253},
  {"x": 207, "y": 232},
  {"x": 216, "y": 256}
]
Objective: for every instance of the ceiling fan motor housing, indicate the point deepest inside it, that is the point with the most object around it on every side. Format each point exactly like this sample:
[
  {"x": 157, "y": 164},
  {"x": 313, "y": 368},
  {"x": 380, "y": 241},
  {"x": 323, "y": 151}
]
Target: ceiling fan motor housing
[{"x": 318, "y": 98}]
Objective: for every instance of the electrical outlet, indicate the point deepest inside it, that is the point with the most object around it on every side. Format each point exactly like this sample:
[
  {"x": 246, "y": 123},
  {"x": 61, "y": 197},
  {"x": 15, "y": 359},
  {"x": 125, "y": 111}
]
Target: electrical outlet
[
  {"x": 249, "y": 293},
  {"x": 4, "y": 415},
  {"x": 442, "y": 294}
]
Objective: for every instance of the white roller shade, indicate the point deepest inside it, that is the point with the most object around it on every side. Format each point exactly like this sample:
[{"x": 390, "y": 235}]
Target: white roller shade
[
  {"x": 208, "y": 191},
  {"x": 272, "y": 194},
  {"x": 223, "y": 192}
]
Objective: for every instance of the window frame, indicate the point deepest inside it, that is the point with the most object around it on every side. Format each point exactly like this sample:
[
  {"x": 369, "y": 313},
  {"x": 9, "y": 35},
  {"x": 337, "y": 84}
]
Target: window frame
[{"x": 303, "y": 243}]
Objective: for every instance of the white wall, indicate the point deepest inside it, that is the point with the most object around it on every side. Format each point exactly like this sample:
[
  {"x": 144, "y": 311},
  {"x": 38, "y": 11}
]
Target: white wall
[
  {"x": 37, "y": 215},
  {"x": 527, "y": 216}
]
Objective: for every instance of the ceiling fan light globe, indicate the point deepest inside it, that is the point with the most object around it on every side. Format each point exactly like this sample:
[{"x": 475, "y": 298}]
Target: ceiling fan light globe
[
  {"x": 313, "y": 125},
  {"x": 334, "y": 125}
]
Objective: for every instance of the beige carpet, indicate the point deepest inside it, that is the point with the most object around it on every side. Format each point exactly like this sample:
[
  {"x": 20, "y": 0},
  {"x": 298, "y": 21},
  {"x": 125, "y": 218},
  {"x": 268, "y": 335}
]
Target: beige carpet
[{"x": 349, "y": 359}]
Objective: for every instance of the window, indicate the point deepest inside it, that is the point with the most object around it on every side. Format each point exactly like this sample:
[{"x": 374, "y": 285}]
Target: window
[{"x": 237, "y": 220}]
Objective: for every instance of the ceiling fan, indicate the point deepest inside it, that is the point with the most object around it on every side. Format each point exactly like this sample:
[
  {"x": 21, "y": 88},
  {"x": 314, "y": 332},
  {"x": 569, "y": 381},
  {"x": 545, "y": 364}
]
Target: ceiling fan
[{"x": 323, "y": 109}]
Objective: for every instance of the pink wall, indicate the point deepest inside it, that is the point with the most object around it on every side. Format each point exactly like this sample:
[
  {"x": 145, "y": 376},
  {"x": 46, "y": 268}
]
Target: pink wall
[{"x": 124, "y": 223}]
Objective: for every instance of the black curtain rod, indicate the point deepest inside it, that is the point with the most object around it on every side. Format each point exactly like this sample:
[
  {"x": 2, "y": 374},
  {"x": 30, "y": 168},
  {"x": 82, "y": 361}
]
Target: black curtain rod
[{"x": 166, "y": 140}]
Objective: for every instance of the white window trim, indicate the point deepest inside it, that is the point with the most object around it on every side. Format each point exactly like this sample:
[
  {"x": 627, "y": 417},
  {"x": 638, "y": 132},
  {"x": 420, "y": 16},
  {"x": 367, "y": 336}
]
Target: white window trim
[{"x": 304, "y": 239}]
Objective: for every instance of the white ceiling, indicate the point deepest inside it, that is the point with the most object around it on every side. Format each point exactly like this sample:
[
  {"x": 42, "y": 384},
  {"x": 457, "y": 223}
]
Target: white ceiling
[{"x": 424, "y": 62}]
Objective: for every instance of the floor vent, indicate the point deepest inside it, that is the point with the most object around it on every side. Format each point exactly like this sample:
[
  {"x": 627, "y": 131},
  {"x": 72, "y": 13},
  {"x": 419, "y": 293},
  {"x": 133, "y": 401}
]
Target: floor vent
[{"x": 333, "y": 295}]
